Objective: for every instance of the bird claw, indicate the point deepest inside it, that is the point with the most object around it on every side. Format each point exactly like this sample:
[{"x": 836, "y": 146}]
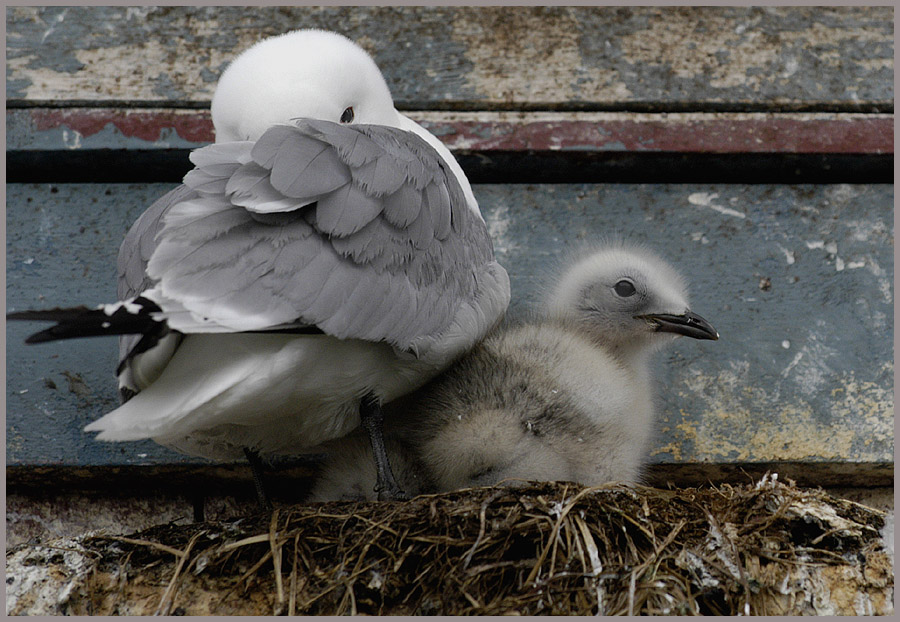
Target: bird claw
[{"x": 388, "y": 492}]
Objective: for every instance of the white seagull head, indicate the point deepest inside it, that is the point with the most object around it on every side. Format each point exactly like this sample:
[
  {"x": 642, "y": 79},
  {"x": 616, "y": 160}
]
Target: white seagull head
[
  {"x": 305, "y": 73},
  {"x": 627, "y": 298}
]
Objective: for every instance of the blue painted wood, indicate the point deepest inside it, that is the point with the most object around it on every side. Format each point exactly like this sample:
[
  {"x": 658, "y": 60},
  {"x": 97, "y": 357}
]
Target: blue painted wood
[
  {"x": 62, "y": 243},
  {"x": 797, "y": 279}
]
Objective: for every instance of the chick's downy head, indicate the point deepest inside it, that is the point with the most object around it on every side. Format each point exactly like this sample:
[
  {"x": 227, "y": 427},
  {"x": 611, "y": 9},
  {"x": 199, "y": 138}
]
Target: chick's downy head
[{"x": 626, "y": 296}]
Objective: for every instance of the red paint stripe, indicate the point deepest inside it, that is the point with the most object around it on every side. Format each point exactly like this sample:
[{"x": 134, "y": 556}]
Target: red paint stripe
[
  {"x": 193, "y": 126},
  {"x": 780, "y": 135},
  {"x": 667, "y": 134}
]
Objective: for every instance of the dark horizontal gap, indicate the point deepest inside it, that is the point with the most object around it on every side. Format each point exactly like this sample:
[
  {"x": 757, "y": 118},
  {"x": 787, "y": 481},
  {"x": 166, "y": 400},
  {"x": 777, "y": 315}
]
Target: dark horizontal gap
[
  {"x": 652, "y": 107},
  {"x": 293, "y": 482},
  {"x": 808, "y": 474},
  {"x": 875, "y": 107},
  {"x": 673, "y": 168},
  {"x": 208, "y": 479},
  {"x": 499, "y": 167},
  {"x": 107, "y": 103}
]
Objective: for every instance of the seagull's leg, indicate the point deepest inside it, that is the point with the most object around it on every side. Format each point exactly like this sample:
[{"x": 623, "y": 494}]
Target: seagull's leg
[
  {"x": 373, "y": 422},
  {"x": 256, "y": 466},
  {"x": 199, "y": 502}
]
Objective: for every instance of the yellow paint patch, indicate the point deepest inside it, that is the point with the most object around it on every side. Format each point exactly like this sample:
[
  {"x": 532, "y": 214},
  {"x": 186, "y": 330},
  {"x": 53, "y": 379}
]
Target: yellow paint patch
[{"x": 749, "y": 423}]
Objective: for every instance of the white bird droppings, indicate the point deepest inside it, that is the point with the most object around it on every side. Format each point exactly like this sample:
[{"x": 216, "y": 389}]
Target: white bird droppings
[
  {"x": 705, "y": 199},
  {"x": 699, "y": 236},
  {"x": 788, "y": 255}
]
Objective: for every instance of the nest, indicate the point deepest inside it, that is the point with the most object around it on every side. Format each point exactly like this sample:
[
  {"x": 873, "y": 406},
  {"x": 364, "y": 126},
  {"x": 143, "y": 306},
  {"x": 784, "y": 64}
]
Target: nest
[{"x": 548, "y": 548}]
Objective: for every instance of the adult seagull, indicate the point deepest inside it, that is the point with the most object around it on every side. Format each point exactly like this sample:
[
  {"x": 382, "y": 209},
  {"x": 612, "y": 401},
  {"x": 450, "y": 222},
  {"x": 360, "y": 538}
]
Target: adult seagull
[{"x": 326, "y": 255}]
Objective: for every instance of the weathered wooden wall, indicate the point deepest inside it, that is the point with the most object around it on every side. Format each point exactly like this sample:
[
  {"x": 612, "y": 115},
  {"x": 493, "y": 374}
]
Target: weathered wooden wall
[
  {"x": 751, "y": 146},
  {"x": 561, "y": 58}
]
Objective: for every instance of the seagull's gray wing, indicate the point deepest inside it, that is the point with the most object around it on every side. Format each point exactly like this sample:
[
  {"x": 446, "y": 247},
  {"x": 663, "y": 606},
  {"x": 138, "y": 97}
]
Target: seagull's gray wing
[
  {"x": 135, "y": 252},
  {"x": 361, "y": 231}
]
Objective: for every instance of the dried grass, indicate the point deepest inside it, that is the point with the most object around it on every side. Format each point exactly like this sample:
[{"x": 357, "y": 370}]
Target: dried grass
[{"x": 548, "y": 548}]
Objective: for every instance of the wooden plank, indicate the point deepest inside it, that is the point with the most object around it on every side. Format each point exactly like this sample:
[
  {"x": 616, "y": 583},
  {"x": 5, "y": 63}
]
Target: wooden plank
[
  {"x": 104, "y": 128},
  {"x": 798, "y": 280},
  {"x": 475, "y": 58}
]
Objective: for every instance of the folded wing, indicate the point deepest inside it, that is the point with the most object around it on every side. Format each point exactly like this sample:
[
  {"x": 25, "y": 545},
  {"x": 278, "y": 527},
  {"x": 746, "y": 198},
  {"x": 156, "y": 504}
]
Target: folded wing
[{"x": 361, "y": 231}]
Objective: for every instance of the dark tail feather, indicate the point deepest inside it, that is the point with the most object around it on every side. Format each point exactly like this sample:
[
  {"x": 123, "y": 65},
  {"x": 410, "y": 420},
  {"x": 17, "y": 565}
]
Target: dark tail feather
[{"x": 83, "y": 322}]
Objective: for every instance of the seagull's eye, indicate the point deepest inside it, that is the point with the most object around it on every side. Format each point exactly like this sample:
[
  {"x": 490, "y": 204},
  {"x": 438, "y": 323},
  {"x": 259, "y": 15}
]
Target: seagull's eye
[
  {"x": 624, "y": 288},
  {"x": 347, "y": 115}
]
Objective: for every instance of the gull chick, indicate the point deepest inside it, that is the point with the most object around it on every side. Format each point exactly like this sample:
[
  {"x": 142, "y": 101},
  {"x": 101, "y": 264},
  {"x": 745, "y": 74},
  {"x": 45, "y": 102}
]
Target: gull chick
[
  {"x": 569, "y": 396},
  {"x": 324, "y": 257}
]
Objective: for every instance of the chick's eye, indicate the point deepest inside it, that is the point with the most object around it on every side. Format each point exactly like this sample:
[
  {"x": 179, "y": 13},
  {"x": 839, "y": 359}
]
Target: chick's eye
[
  {"x": 624, "y": 288},
  {"x": 347, "y": 115}
]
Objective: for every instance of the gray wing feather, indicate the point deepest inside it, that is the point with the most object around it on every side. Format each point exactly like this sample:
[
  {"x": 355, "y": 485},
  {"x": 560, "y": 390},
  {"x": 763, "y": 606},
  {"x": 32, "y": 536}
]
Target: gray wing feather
[
  {"x": 249, "y": 187},
  {"x": 346, "y": 210},
  {"x": 301, "y": 167},
  {"x": 135, "y": 252},
  {"x": 402, "y": 207},
  {"x": 215, "y": 167},
  {"x": 359, "y": 230}
]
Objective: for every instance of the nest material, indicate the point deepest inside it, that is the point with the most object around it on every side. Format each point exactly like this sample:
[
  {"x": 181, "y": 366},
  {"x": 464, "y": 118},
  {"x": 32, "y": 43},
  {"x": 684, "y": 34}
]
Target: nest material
[{"x": 548, "y": 548}]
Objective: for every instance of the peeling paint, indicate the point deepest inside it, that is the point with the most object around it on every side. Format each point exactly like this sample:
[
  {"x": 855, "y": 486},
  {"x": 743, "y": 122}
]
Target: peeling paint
[
  {"x": 481, "y": 56},
  {"x": 705, "y": 199},
  {"x": 508, "y": 53},
  {"x": 72, "y": 139},
  {"x": 142, "y": 128},
  {"x": 731, "y": 430}
]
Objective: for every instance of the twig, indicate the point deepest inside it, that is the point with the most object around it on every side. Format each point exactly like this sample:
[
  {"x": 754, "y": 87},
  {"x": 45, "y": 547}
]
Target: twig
[
  {"x": 166, "y": 602},
  {"x": 631, "y": 584},
  {"x": 596, "y": 564},
  {"x": 276, "y": 548},
  {"x": 659, "y": 549},
  {"x": 264, "y": 537},
  {"x": 292, "y": 600},
  {"x": 565, "y": 510},
  {"x": 482, "y": 515},
  {"x": 155, "y": 545}
]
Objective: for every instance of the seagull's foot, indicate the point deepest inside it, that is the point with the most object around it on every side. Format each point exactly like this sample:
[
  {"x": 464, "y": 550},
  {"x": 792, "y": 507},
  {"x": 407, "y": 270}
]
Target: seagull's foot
[
  {"x": 386, "y": 487},
  {"x": 386, "y": 492}
]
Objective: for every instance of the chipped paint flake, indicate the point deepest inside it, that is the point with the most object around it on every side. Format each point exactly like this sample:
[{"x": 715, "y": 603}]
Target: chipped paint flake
[
  {"x": 705, "y": 199},
  {"x": 789, "y": 256},
  {"x": 498, "y": 226},
  {"x": 699, "y": 236},
  {"x": 71, "y": 139}
]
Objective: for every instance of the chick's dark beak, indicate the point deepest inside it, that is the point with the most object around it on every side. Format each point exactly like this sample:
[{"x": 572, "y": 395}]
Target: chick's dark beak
[{"x": 689, "y": 324}]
